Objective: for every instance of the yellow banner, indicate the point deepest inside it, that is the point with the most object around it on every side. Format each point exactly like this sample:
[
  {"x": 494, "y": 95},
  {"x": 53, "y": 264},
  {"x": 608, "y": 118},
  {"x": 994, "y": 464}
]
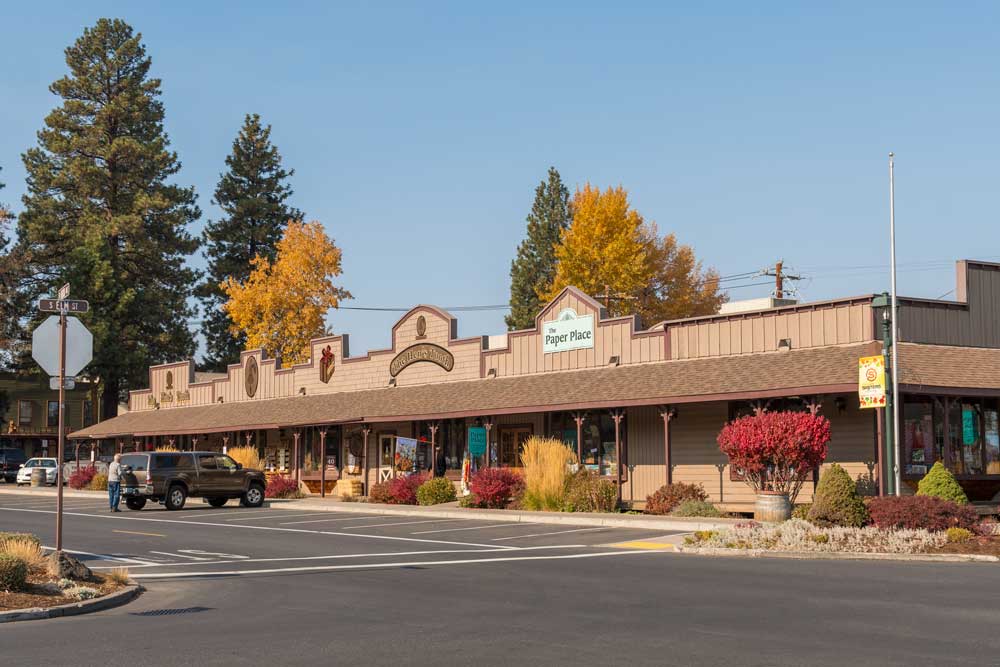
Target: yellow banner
[{"x": 871, "y": 382}]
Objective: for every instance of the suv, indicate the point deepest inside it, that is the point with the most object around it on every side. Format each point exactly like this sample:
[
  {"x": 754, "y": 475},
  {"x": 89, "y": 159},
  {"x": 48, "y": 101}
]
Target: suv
[
  {"x": 10, "y": 460},
  {"x": 171, "y": 477}
]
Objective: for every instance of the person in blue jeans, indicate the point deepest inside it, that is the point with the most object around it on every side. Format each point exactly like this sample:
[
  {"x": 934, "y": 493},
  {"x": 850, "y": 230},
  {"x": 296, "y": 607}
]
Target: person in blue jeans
[{"x": 115, "y": 483}]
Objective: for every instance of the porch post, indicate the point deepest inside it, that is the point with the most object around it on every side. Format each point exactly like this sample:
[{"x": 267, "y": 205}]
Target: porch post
[
  {"x": 296, "y": 434},
  {"x": 136, "y": 443},
  {"x": 488, "y": 425},
  {"x": 578, "y": 417},
  {"x": 617, "y": 415},
  {"x": 194, "y": 443},
  {"x": 667, "y": 412},
  {"x": 78, "y": 456},
  {"x": 365, "y": 430},
  {"x": 433, "y": 428},
  {"x": 322, "y": 463},
  {"x": 225, "y": 443}
]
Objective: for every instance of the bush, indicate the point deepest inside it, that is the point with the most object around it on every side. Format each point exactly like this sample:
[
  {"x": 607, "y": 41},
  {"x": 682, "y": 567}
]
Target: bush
[
  {"x": 836, "y": 501},
  {"x": 81, "y": 479},
  {"x": 496, "y": 487},
  {"x": 82, "y": 593},
  {"x": 398, "y": 491},
  {"x": 99, "y": 482},
  {"x": 248, "y": 457},
  {"x": 959, "y": 534},
  {"x": 691, "y": 508},
  {"x": 669, "y": 496},
  {"x": 545, "y": 472},
  {"x": 20, "y": 536},
  {"x": 13, "y": 573},
  {"x": 586, "y": 491},
  {"x": 940, "y": 483},
  {"x": 435, "y": 491},
  {"x": 801, "y": 511},
  {"x": 281, "y": 486},
  {"x": 26, "y": 549},
  {"x": 915, "y": 512}
]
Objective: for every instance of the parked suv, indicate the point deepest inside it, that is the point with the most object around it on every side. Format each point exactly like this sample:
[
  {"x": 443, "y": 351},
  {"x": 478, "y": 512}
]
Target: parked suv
[
  {"x": 173, "y": 477},
  {"x": 10, "y": 460}
]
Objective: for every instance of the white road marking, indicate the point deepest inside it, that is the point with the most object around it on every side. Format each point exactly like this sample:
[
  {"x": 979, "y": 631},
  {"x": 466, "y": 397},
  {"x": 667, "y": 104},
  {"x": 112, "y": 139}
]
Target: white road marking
[
  {"x": 212, "y": 553},
  {"x": 118, "y": 559},
  {"x": 558, "y": 532},
  {"x": 268, "y": 515},
  {"x": 173, "y": 555},
  {"x": 354, "y": 518},
  {"x": 401, "y": 523},
  {"x": 362, "y": 566},
  {"x": 193, "y": 514},
  {"x": 509, "y": 524},
  {"x": 306, "y": 531}
]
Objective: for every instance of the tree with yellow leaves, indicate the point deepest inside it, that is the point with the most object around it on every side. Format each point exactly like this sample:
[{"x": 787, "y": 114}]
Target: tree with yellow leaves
[
  {"x": 609, "y": 247},
  {"x": 282, "y": 305}
]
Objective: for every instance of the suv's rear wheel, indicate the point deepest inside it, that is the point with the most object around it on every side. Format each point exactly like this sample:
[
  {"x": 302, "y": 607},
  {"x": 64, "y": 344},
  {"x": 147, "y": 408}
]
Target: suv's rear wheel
[
  {"x": 176, "y": 496},
  {"x": 135, "y": 503},
  {"x": 217, "y": 502},
  {"x": 254, "y": 497}
]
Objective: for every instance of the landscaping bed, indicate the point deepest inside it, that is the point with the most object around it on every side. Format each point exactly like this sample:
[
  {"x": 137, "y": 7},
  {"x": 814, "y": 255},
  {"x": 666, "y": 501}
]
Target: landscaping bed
[
  {"x": 43, "y": 591},
  {"x": 984, "y": 546}
]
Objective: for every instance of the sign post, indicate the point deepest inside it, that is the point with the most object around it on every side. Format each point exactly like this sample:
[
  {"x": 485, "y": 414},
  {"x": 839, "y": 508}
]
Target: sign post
[{"x": 63, "y": 331}]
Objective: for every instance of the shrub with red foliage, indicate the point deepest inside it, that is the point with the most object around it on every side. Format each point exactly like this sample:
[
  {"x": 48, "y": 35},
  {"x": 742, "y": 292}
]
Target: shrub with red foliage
[
  {"x": 776, "y": 451},
  {"x": 496, "y": 487},
  {"x": 916, "y": 512},
  {"x": 80, "y": 479},
  {"x": 397, "y": 491},
  {"x": 669, "y": 496},
  {"x": 281, "y": 486}
]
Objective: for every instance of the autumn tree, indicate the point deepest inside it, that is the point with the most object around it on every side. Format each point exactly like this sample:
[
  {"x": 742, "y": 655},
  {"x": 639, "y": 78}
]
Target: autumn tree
[
  {"x": 102, "y": 214},
  {"x": 534, "y": 268},
  {"x": 252, "y": 195},
  {"x": 610, "y": 249},
  {"x": 282, "y": 304}
]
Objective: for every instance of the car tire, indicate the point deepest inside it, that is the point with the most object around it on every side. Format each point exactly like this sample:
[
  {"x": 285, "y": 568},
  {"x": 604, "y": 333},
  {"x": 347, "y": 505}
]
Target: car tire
[
  {"x": 254, "y": 496},
  {"x": 175, "y": 498},
  {"x": 217, "y": 502},
  {"x": 135, "y": 504}
]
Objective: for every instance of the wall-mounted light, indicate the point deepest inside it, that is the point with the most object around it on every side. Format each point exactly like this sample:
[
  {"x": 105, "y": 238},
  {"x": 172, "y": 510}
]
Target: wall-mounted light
[
  {"x": 392, "y": 382},
  {"x": 784, "y": 345},
  {"x": 492, "y": 373},
  {"x": 614, "y": 360},
  {"x": 302, "y": 391},
  {"x": 221, "y": 399}
]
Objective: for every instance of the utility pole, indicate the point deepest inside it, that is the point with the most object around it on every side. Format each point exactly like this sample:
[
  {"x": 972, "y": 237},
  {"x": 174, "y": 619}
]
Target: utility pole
[{"x": 779, "y": 278}]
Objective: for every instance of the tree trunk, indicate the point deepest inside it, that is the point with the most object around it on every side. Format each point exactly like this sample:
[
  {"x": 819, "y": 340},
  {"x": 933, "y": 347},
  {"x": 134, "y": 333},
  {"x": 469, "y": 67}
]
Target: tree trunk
[{"x": 109, "y": 399}]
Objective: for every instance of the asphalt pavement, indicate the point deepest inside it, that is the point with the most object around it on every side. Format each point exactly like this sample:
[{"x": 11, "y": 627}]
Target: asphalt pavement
[{"x": 235, "y": 585}]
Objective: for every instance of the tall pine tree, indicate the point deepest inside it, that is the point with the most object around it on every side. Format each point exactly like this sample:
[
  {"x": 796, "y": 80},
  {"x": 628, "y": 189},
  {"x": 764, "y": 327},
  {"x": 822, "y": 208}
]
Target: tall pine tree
[
  {"x": 252, "y": 195},
  {"x": 101, "y": 214},
  {"x": 534, "y": 268},
  {"x": 8, "y": 284}
]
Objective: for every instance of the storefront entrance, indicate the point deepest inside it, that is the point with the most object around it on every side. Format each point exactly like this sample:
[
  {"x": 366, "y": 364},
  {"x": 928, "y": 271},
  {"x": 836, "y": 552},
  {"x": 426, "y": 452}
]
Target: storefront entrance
[{"x": 512, "y": 439}]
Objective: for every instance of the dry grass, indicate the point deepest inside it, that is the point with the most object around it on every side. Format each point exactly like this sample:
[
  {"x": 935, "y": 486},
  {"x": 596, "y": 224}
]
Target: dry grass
[
  {"x": 27, "y": 550},
  {"x": 167, "y": 448},
  {"x": 119, "y": 575},
  {"x": 248, "y": 457},
  {"x": 545, "y": 463}
]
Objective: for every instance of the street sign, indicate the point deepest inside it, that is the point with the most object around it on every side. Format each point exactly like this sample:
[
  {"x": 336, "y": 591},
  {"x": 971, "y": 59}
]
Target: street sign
[
  {"x": 63, "y": 292},
  {"x": 63, "y": 305},
  {"x": 68, "y": 384},
  {"x": 45, "y": 346}
]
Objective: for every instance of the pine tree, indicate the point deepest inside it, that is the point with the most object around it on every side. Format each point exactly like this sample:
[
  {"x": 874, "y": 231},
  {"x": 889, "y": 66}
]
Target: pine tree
[
  {"x": 535, "y": 266},
  {"x": 101, "y": 214},
  {"x": 8, "y": 283},
  {"x": 252, "y": 195}
]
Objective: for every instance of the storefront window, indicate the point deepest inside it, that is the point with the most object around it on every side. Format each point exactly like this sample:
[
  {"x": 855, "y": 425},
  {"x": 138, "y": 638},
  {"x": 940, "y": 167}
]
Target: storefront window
[
  {"x": 963, "y": 433},
  {"x": 919, "y": 448},
  {"x": 24, "y": 413},
  {"x": 599, "y": 444},
  {"x": 52, "y": 419},
  {"x": 88, "y": 412},
  {"x": 991, "y": 438}
]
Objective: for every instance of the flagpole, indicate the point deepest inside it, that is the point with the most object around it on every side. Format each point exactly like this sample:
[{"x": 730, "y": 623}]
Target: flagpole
[{"x": 897, "y": 399}]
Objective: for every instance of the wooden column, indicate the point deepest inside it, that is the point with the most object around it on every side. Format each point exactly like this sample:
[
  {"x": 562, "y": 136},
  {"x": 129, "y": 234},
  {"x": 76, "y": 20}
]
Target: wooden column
[
  {"x": 78, "y": 456},
  {"x": 667, "y": 412},
  {"x": 322, "y": 463},
  {"x": 578, "y": 417},
  {"x": 194, "y": 443},
  {"x": 488, "y": 425},
  {"x": 136, "y": 442},
  {"x": 365, "y": 431},
  {"x": 225, "y": 444},
  {"x": 297, "y": 469},
  {"x": 433, "y": 428},
  {"x": 617, "y": 415}
]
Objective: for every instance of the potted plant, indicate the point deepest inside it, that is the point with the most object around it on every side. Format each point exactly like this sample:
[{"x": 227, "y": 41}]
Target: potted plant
[{"x": 775, "y": 452}]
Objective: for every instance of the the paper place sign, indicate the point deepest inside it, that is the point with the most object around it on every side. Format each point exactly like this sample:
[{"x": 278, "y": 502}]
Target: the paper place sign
[{"x": 569, "y": 331}]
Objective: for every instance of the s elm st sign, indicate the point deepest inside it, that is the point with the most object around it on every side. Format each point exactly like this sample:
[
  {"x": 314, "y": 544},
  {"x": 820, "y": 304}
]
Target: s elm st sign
[{"x": 569, "y": 331}]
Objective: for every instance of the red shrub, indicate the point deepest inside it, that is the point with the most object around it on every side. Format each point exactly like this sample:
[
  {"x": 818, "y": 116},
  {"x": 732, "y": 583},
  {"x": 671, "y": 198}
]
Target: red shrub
[
  {"x": 397, "y": 491},
  {"x": 80, "y": 479},
  {"x": 496, "y": 487},
  {"x": 281, "y": 486},
  {"x": 669, "y": 496},
  {"x": 917, "y": 512}
]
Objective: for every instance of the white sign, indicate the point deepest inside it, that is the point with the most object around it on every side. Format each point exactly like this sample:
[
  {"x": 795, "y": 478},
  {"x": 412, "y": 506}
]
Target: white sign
[
  {"x": 68, "y": 384},
  {"x": 63, "y": 292},
  {"x": 45, "y": 346},
  {"x": 569, "y": 331}
]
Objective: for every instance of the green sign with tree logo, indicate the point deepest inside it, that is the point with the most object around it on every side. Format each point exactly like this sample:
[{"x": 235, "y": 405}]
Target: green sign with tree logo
[{"x": 477, "y": 440}]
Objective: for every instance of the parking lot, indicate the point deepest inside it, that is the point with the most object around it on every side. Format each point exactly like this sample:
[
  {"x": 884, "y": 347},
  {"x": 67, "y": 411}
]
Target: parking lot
[{"x": 201, "y": 541}]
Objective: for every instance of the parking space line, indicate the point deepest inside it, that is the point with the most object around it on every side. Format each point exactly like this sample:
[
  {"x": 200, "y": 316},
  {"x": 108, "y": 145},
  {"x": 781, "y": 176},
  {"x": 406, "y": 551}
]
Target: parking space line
[
  {"x": 268, "y": 515},
  {"x": 492, "y": 525},
  {"x": 118, "y": 559},
  {"x": 353, "y": 518},
  {"x": 558, "y": 532},
  {"x": 135, "y": 532},
  {"x": 173, "y": 555},
  {"x": 401, "y": 523},
  {"x": 191, "y": 514}
]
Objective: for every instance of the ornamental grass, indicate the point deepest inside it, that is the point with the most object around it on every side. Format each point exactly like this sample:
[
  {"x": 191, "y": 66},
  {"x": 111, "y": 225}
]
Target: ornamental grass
[
  {"x": 545, "y": 462},
  {"x": 27, "y": 550},
  {"x": 248, "y": 457}
]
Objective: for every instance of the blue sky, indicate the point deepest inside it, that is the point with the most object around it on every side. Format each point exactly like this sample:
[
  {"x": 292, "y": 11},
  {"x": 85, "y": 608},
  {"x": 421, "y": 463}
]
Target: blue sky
[{"x": 418, "y": 133}]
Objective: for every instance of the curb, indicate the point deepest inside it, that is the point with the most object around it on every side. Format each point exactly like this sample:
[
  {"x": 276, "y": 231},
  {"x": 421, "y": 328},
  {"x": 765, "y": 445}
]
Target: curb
[
  {"x": 833, "y": 555},
  {"x": 110, "y": 601},
  {"x": 512, "y": 516}
]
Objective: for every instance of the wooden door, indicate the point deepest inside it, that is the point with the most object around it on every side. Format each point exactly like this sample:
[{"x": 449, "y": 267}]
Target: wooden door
[
  {"x": 385, "y": 455},
  {"x": 512, "y": 439}
]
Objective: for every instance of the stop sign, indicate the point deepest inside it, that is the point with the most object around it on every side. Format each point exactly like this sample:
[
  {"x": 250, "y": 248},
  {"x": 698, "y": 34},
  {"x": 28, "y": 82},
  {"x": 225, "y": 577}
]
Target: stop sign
[{"x": 45, "y": 346}]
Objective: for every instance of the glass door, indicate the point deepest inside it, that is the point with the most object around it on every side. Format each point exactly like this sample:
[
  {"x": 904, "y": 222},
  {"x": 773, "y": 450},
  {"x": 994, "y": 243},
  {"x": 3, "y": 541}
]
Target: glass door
[{"x": 512, "y": 439}]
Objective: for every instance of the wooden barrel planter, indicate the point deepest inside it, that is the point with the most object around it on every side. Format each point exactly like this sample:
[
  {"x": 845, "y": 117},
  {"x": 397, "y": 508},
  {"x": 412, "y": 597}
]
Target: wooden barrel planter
[{"x": 772, "y": 507}]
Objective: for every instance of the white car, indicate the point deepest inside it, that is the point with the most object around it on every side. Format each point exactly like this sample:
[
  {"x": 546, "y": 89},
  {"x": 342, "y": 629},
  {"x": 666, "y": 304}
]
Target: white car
[{"x": 51, "y": 471}]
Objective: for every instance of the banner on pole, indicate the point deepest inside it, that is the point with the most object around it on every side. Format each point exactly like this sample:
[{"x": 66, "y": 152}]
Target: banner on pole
[{"x": 871, "y": 382}]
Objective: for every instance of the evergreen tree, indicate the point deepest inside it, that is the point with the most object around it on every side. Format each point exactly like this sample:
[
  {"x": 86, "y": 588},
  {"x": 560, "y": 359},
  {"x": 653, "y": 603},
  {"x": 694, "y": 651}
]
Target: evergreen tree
[
  {"x": 252, "y": 194},
  {"x": 534, "y": 268},
  {"x": 101, "y": 215},
  {"x": 8, "y": 283}
]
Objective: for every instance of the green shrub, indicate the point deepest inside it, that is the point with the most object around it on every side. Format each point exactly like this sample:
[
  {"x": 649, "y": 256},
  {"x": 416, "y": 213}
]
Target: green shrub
[
  {"x": 586, "y": 491},
  {"x": 13, "y": 573},
  {"x": 20, "y": 536},
  {"x": 669, "y": 496},
  {"x": 99, "y": 482},
  {"x": 940, "y": 483},
  {"x": 696, "y": 508},
  {"x": 801, "y": 511},
  {"x": 435, "y": 491},
  {"x": 959, "y": 534},
  {"x": 836, "y": 501}
]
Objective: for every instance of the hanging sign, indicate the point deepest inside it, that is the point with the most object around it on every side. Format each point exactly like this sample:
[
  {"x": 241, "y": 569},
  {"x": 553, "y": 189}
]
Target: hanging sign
[
  {"x": 477, "y": 440},
  {"x": 406, "y": 454},
  {"x": 871, "y": 382},
  {"x": 569, "y": 331},
  {"x": 969, "y": 426}
]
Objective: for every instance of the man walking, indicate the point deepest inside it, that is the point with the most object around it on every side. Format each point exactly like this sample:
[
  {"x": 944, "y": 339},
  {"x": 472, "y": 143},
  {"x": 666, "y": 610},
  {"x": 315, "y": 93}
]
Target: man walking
[{"x": 114, "y": 483}]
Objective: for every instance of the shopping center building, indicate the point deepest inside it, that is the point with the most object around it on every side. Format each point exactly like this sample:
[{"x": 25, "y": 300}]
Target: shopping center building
[{"x": 642, "y": 406}]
